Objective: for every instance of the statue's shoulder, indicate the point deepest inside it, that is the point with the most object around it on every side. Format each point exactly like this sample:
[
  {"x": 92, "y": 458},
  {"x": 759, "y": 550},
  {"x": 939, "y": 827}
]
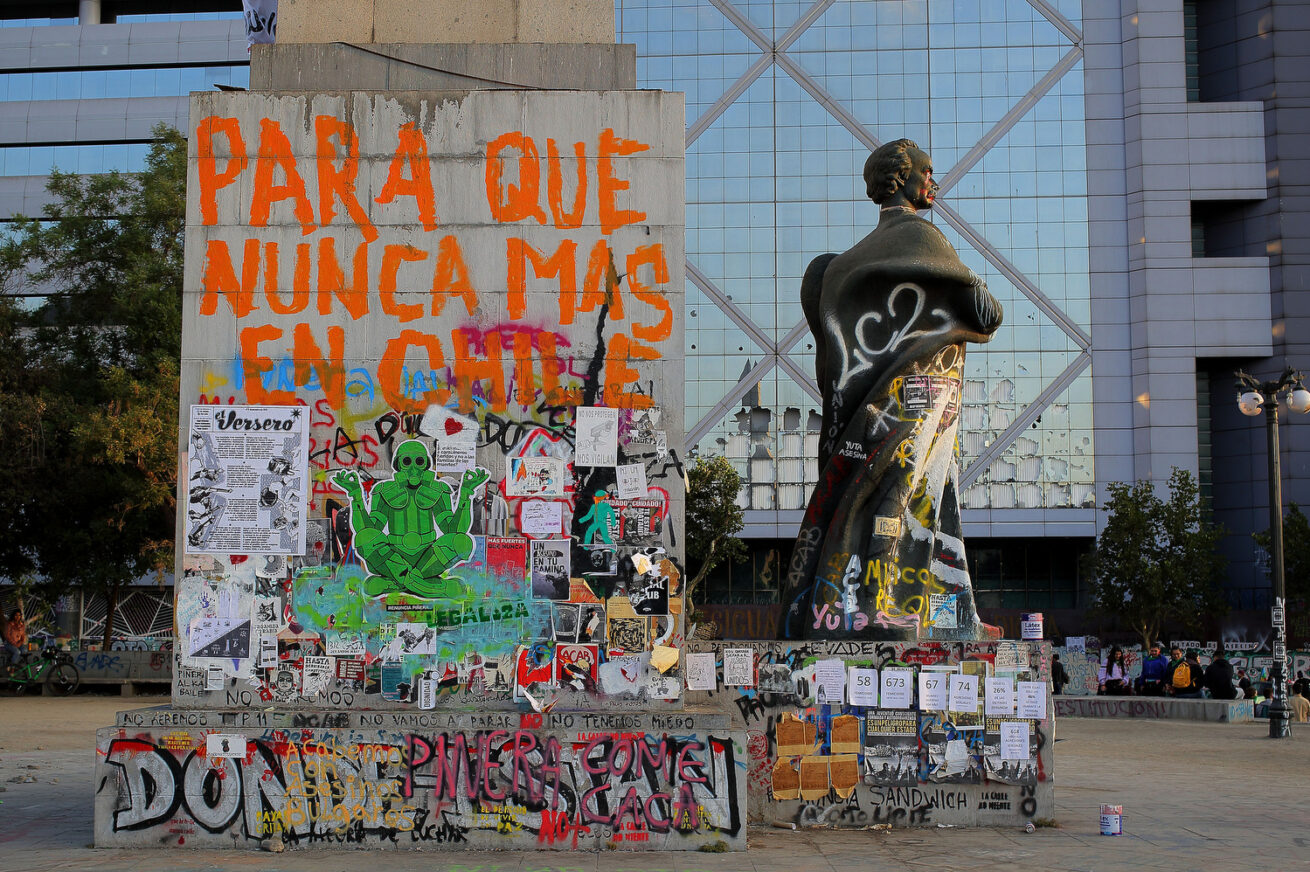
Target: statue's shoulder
[{"x": 900, "y": 243}]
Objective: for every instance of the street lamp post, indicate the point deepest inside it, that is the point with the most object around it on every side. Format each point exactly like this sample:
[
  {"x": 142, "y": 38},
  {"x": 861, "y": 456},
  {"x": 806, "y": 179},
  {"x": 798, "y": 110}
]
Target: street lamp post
[{"x": 1254, "y": 397}]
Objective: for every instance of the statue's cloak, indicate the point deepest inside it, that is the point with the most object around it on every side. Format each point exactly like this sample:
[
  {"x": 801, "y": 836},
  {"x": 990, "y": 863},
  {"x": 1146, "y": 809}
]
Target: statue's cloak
[{"x": 879, "y": 555}]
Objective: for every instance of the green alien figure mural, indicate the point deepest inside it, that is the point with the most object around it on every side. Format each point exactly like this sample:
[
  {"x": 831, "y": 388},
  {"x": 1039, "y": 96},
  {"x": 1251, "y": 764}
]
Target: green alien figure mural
[{"x": 417, "y": 527}]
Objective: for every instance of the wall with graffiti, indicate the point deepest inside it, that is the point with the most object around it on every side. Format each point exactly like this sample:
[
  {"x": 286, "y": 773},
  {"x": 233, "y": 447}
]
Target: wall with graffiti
[
  {"x": 1250, "y": 659},
  {"x": 570, "y": 781},
  {"x": 855, "y": 734},
  {"x": 433, "y": 359}
]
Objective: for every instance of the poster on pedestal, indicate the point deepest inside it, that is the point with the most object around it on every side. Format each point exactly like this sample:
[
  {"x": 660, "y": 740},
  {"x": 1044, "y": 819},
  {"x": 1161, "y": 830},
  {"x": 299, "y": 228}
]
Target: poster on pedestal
[{"x": 247, "y": 480}]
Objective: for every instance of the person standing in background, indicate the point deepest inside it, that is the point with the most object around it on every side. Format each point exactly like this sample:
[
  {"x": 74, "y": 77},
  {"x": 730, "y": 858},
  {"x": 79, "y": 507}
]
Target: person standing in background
[
  {"x": 1059, "y": 677},
  {"x": 15, "y": 637}
]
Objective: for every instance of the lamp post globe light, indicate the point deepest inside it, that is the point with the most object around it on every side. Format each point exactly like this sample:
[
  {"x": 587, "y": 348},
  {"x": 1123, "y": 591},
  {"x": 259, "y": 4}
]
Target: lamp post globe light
[{"x": 1253, "y": 398}]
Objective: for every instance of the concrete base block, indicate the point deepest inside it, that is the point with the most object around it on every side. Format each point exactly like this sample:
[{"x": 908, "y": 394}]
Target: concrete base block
[
  {"x": 1236, "y": 711},
  {"x": 900, "y": 773},
  {"x": 637, "y": 781},
  {"x": 461, "y": 66},
  {"x": 421, "y": 21}
]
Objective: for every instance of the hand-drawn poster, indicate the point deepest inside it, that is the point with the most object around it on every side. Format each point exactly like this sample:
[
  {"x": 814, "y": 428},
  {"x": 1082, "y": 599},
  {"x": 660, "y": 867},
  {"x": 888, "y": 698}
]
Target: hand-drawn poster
[
  {"x": 535, "y": 477},
  {"x": 539, "y": 518},
  {"x": 891, "y": 747},
  {"x": 247, "y": 480},
  {"x": 598, "y": 436},
  {"x": 701, "y": 672},
  {"x": 631, "y": 480},
  {"x": 550, "y": 568},
  {"x": 738, "y": 667}
]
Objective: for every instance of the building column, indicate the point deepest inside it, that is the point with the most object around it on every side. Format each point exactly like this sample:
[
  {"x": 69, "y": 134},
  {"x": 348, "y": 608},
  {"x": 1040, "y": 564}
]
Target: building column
[{"x": 88, "y": 11}]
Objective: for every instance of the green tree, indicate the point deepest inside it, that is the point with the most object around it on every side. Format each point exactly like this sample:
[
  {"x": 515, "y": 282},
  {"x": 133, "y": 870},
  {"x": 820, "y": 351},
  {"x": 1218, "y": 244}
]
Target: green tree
[
  {"x": 1155, "y": 562},
  {"x": 1296, "y": 552},
  {"x": 90, "y": 392},
  {"x": 713, "y": 517}
]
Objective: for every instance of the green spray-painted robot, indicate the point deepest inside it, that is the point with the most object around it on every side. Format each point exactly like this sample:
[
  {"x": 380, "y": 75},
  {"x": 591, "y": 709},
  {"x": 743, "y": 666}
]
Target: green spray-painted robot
[{"x": 417, "y": 527}]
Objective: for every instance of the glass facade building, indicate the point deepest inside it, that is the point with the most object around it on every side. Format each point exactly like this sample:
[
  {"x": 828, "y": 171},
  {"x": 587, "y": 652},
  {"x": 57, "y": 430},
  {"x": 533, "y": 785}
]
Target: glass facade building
[
  {"x": 784, "y": 103},
  {"x": 1072, "y": 140}
]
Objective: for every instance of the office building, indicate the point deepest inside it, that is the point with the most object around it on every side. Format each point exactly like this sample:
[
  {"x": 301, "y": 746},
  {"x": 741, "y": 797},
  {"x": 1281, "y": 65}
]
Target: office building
[{"x": 1125, "y": 175}]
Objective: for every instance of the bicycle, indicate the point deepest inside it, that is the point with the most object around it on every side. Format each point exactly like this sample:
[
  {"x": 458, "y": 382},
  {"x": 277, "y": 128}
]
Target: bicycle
[{"x": 52, "y": 667}]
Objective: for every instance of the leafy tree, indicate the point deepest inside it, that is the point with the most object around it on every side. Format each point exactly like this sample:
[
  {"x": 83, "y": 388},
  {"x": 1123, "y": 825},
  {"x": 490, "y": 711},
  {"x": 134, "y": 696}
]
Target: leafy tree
[
  {"x": 1296, "y": 552},
  {"x": 89, "y": 389},
  {"x": 1155, "y": 562},
  {"x": 713, "y": 516}
]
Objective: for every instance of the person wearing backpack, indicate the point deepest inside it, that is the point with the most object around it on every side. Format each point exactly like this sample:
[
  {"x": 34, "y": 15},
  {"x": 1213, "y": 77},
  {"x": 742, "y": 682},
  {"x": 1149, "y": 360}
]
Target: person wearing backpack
[{"x": 1181, "y": 677}]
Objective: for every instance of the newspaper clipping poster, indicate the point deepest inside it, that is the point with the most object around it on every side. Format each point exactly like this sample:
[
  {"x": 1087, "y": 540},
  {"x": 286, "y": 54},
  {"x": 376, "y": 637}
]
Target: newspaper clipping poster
[{"x": 247, "y": 480}]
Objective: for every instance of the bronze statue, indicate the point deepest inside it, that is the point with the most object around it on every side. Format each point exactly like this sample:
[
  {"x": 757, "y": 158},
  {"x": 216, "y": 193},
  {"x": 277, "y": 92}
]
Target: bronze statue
[{"x": 880, "y": 555}]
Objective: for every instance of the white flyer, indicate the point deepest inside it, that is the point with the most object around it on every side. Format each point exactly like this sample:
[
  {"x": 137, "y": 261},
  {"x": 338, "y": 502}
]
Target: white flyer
[
  {"x": 214, "y": 677},
  {"x": 831, "y": 682},
  {"x": 1000, "y": 697},
  {"x": 225, "y": 745},
  {"x": 540, "y": 519},
  {"x": 1032, "y": 700},
  {"x": 933, "y": 690},
  {"x": 700, "y": 671},
  {"x": 454, "y": 439},
  {"x": 631, "y": 478},
  {"x": 268, "y": 649},
  {"x": 247, "y": 480},
  {"x": 597, "y": 435},
  {"x": 897, "y": 688},
  {"x": 963, "y": 694},
  {"x": 864, "y": 686},
  {"x": 1014, "y": 740},
  {"x": 738, "y": 667}
]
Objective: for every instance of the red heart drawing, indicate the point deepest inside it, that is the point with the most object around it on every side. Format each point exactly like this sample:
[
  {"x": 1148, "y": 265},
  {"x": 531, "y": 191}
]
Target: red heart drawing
[{"x": 453, "y": 426}]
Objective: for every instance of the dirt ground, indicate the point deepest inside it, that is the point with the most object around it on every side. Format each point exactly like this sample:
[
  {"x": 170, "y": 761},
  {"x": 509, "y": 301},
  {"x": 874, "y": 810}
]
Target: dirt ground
[{"x": 62, "y": 723}]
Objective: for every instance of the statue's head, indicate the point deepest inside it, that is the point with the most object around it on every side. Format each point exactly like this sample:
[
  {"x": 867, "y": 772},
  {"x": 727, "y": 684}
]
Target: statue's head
[
  {"x": 900, "y": 167},
  {"x": 411, "y": 464}
]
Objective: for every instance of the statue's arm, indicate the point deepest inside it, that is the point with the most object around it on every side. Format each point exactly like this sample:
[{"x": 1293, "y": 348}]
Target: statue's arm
[
  {"x": 811, "y": 291},
  {"x": 926, "y": 253},
  {"x": 987, "y": 310}
]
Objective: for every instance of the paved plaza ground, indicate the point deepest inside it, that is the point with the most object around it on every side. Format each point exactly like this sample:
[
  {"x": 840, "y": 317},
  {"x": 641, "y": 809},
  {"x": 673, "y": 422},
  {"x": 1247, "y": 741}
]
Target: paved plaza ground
[{"x": 1197, "y": 796}]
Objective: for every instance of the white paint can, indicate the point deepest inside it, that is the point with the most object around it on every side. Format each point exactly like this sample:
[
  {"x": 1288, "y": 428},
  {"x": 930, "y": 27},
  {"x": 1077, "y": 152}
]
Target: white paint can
[
  {"x": 1031, "y": 626},
  {"x": 1112, "y": 820}
]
